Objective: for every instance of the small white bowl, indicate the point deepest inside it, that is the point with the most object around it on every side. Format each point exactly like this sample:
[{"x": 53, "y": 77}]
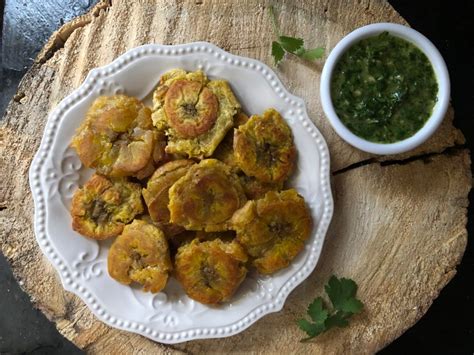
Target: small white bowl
[{"x": 439, "y": 67}]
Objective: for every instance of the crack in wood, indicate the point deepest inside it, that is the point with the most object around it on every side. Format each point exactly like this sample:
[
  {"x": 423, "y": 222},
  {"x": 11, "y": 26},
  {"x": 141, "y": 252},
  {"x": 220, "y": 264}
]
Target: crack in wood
[
  {"x": 355, "y": 166},
  {"x": 60, "y": 37},
  {"x": 425, "y": 157}
]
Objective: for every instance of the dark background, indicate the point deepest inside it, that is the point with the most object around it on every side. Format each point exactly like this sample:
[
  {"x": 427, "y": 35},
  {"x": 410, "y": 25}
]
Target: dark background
[{"x": 447, "y": 328}]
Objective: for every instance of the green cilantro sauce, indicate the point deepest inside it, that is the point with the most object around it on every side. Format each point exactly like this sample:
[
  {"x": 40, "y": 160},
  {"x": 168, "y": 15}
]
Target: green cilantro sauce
[{"x": 384, "y": 89}]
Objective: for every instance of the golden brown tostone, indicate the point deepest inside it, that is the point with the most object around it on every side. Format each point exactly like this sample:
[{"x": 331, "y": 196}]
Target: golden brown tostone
[
  {"x": 102, "y": 207},
  {"x": 210, "y": 271},
  {"x": 195, "y": 112},
  {"x": 273, "y": 230},
  {"x": 191, "y": 108},
  {"x": 264, "y": 148},
  {"x": 206, "y": 197},
  {"x": 140, "y": 254},
  {"x": 117, "y": 137}
]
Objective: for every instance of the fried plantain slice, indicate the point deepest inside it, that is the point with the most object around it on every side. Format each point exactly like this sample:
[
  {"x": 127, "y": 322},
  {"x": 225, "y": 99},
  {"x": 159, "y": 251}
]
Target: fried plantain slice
[
  {"x": 273, "y": 230},
  {"x": 140, "y": 254},
  {"x": 210, "y": 271},
  {"x": 264, "y": 148},
  {"x": 117, "y": 137},
  {"x": 102, "y": 207},
  {"x": 195, "y": 113},
  {"x": 156, "y": 193},
  {"x": 191, "y": 108},
  {"x": 206, "y": 197}
]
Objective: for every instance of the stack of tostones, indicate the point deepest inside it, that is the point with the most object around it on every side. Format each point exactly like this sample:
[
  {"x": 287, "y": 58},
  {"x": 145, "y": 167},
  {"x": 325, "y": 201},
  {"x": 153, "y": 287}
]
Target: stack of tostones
[{"x": 211, "y": 181}]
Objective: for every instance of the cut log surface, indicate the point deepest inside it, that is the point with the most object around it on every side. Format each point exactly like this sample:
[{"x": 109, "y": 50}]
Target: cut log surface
[{"x": 399, "y": 222}]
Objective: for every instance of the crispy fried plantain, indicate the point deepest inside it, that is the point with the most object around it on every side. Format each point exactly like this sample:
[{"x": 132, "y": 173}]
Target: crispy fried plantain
[
  {"x": 102, "y": 207},
  {"x": 210, "y": 271},
  {"x": 264, "y": 148},
  {"x": 117, "y": 137},
  {"x": 206, "y": 197},
  {"x": 140, "y": 254},
  {"x": 195, "y": 112},
  {"x": 273, "y": 230}
]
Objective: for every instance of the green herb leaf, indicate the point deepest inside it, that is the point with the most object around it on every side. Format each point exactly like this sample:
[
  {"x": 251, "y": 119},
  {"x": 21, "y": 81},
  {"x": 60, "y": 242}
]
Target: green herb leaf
[
  {"x": 311, "y": 54},
  {"x": 338, "y": 319},
  {"x": 291, "y": 44},
  {"x": 277, "y": 52},
  {"x": 342, "y": 292},
  {"x": 353, "y": 305},
  {"x": 317, "y": 312},
  {"x": 312, "y": 329}
]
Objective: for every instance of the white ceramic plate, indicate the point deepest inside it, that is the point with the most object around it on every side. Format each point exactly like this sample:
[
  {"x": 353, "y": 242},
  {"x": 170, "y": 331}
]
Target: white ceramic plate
[{"x": 56, "y": 172}]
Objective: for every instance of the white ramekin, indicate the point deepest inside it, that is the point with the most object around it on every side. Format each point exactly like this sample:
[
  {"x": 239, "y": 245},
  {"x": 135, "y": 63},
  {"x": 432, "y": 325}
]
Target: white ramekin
[{"x": 440, "y": 70}]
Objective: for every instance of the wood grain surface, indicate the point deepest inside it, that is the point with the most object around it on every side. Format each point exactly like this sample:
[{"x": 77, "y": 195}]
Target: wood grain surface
[{"x": 399, "y": 222}]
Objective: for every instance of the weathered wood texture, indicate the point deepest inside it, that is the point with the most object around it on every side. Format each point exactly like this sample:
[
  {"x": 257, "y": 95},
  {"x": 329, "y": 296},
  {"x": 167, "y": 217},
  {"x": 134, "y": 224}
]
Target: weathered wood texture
[{"x": 398, "y": 229}]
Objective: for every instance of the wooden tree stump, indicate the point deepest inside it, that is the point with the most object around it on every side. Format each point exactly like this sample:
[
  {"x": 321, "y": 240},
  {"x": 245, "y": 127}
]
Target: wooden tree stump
[{"x": 399, "y": 225}]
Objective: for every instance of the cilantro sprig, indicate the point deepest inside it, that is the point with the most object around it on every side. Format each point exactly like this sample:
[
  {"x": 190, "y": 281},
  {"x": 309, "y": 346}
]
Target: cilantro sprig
[
  {"x": 342, "y": 294},
  {"x": 291, "y": 45}
]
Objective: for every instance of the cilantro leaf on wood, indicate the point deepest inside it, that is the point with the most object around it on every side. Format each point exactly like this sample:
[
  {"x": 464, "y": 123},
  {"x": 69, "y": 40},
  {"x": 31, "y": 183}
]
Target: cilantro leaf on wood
[
  {"x": 342, "y": 293},
  {"x": 337, "y": 319},
  {"x": 317, "y": 312},
  {"x": 277, "y": 52},
  {"x": 293, "y": 45},
  {"x": 312, "y": 329}
]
